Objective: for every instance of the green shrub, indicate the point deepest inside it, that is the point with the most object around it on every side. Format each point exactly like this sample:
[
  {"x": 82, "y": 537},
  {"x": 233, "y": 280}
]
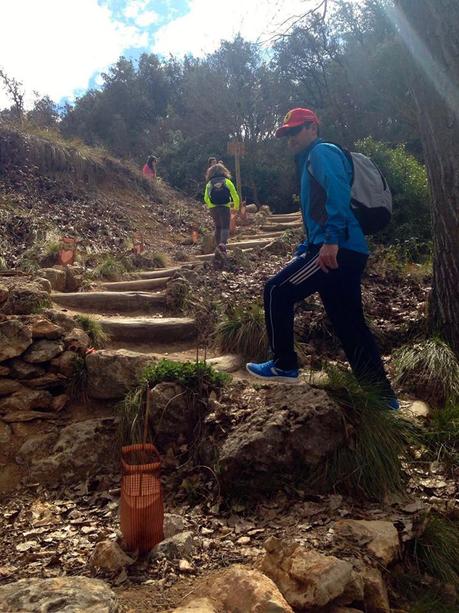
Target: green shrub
[
  {"x": 370, "y": 462},
  {"x": 442, "y": 434},
  {"x": 198, "y": 379},
  {"x": 407, "y": 179},
  {"x": 429, "y": 369}
]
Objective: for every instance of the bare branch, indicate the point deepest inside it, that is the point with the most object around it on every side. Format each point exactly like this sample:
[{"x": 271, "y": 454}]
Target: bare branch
[{"x": 294, "y": 20}]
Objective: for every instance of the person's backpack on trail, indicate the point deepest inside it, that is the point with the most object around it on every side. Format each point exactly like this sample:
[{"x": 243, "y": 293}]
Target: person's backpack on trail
[
  {"x": 371, "y": 198},
  {"x": 219, "y": 192}
]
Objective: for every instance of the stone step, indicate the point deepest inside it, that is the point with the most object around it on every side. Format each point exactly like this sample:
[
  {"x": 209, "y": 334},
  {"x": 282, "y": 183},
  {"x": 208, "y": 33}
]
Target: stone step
[
  {"x": 111, "y": 301},
  {"x": 149, "y": 329},
  {"x": 135, "y": 284},
  {"x": 293, "y": 225},
  {"x": 254, "y": 242},
  {"x": 284, "y": 217},
  {"x": 158, "y": 273},
  {"x": 113, "y": 372}
]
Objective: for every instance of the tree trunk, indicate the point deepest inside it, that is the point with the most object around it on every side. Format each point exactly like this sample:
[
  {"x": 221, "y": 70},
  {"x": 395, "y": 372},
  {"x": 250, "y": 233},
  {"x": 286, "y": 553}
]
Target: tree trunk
[{"x": 429, "y": 29}]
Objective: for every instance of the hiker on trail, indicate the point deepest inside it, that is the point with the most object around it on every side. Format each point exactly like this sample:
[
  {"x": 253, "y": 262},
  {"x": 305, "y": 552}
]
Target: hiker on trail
[
  {"x": 220, "y": 196},
  {"x": 331, "y": 261},
  {"x": 149, "y": 169}
]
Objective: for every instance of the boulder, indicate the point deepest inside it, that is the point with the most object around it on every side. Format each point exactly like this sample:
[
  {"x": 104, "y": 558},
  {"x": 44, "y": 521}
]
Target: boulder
[
  {"x": 77, "y": 340},
  {"x": 74, "y": 278},
  {"x": 43, "y": 284},
  {"x": 35, "y": 447},
  {"x": 64, "y": 364},
  {"x": 240, "y": 590},
  {"x": 112, "y": 373},
  {"x": 67, "y": 322},
  {"x": 306, "y": 578},
  {"x": 23, "y": 370},
  {"x": 25, "y": 300},
  {"x": 251, "y": 208},
  {"x": 83, "y": 448},
  {"x": 375, "y": 592},
  {"x": 46, "y": 381},
  {"x": 63, "y": 594},
  {"x": 297, "y": 426},
  {"x": 174, "y": 416},
  {"x": 43, "y": 328},
  {"x": 56, "y": 276},
  {"x": 226, "y": 363},
  {"x": 26, "y": 399},
  {"x": 380, "y": 537},
  {"x": 42, "y": 351},
  {"x": 109, "y": 556},
  {"x": 15, "y": 338}
]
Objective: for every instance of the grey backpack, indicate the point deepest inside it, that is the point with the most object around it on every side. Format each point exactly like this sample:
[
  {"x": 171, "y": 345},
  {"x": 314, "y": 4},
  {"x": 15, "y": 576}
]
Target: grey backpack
[{"x": 371, "y": 199}]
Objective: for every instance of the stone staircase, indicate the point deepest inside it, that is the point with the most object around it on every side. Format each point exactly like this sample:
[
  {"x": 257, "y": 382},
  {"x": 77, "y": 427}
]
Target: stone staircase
[{"x": 133, "y": 312}]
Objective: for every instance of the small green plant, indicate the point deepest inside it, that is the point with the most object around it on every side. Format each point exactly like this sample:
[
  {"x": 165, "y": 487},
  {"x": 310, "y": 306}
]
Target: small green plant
[
  {"x": 442, "y": 435},
  {"x": 159, "y": 260},
  {"x": 178, "y": 294},
  {"x": 370, "y": 462},
  {"x": 94, "y": 330},
  {"x": 197, "y": 378},
  {"x": 430, "y": 369},
  {"x": 436, "y": 550},
  {"x": 243, "y": 331},
  {"x": 110, "y": 268}
]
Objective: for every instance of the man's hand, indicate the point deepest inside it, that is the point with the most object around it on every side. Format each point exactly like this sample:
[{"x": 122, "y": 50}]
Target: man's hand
[{"x": 327, "y": 257}]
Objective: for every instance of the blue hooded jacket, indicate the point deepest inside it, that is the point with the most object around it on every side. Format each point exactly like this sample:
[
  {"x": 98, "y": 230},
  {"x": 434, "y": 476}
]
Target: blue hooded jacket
[{"x": 325, "y": 196}]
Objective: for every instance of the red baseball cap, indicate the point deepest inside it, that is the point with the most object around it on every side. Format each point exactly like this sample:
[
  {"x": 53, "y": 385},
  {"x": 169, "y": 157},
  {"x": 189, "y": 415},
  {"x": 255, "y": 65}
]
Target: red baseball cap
[{"x": 295, "y": 118}]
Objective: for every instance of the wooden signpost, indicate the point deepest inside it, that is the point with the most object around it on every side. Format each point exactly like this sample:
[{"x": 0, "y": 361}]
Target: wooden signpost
[{"x": 237, "y": 148}]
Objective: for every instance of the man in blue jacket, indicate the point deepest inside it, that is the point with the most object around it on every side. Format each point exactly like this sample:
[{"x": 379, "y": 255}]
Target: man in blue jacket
[{"x": 331, "y": 261}]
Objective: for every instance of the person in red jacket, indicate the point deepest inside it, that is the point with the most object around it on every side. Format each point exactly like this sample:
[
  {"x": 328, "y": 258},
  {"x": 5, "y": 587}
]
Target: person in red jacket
[{"x": 149, "y": 169}]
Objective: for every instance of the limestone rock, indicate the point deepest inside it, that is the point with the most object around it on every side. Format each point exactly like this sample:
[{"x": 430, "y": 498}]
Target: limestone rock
[
  {"x": 64, "y": 363},
  {"x": 43, "y": 284},
  {"x": 35, "y": 446},
  {"x": 251, "y": 208},
  {"x": 241, "y": 589},
  {"x": 82, "y": 448},
  {"x": 74, "y": 278},
  {"x": 20, "y": 416},
  {"x": 15, "y": 338},
  {"x": 24, "y": 300},
  {"x": 112, "y": 373},
  {"x": 59, "y": 402},
  {"x": 67, "y": 322},
  {"x": 375, "y": 592},
  {"x": 173, "y": 524},
  {"x": 297, "y": 426},
  {"x": 43, "y": 351},
  {"x": 109, "y": 556},
  {"x": 56, "y": 276},
  {"x": 48, "y": 380},
  {"x": 305, "y": 578},
  {"x": 418, "y": 408},
  {"x": 23, "y": 370},
  {"x": 380, "y": 537},
  {"x": 226, "y": 363},
  {"x": 63, "y": 594},
  {"x": 77, "y": 340},
  {"x": 172, "y": 417},
  {"x": 26, "y": 399},
  {"x": 180, "y": 545},
  {"x": 197, "y": 605},
  {"x": 42, "y": 328}
]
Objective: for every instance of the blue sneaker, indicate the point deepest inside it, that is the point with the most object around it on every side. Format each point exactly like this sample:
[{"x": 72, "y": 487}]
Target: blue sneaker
[
  {"x": 269, "y": 372},
  {"x": 393, "y": 404}
]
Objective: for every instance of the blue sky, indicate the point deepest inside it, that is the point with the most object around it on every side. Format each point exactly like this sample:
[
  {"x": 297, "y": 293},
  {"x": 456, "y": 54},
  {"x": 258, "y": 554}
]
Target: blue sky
[{"x": 60, "y": 47}]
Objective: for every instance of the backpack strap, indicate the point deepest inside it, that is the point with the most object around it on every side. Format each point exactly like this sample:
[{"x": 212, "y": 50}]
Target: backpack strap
[{"x": 345, "y": 152}]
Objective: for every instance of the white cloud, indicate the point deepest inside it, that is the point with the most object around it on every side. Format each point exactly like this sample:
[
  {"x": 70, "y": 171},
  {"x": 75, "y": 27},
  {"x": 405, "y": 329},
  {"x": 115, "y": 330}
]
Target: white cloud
[
  {"x": 138, "y": 11},
  {"x": 206, "y": 24},
  {"x": 56, "y": 46}
]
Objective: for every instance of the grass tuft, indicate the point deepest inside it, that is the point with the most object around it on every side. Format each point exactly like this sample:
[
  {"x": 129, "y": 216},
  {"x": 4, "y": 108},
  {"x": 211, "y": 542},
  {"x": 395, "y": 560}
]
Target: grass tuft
[
  {"x": 429, "y": 369},
  {"x": 370, "y": 463},
  {"x": 243, "y": 331},
  {"x": 78, "y": 382},
  {"x": 94, "y": 330},
  {"x": 442, "y": 435},
  {"x": 110, "y": 268},
  {"x": 436, "y": 550}
]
